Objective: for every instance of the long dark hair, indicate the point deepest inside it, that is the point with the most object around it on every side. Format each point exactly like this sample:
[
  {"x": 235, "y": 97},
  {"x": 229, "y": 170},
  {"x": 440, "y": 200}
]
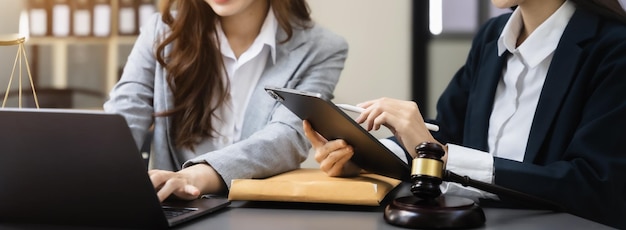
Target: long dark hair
[
  {"x": 610, "y": 9},
  {"x": 194, "y": 65}
]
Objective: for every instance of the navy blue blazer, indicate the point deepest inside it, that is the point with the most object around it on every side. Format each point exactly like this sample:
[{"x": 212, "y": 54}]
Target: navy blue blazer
[{"x": 574, "y": 154}]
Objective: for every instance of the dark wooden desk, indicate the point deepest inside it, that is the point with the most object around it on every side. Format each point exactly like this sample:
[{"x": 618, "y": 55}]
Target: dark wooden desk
[
  {"x": 294, "y": 216},
  {"x": 258, "y": 218}
]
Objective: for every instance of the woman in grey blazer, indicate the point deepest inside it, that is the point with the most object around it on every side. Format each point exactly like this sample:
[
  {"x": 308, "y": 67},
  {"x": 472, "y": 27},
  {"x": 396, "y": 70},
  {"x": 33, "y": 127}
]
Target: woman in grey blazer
[{"x": 196, "y": 78}]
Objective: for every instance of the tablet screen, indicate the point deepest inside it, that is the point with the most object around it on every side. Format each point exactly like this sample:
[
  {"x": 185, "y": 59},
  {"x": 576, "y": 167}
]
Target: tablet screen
[{"x": 333, "y": 123}]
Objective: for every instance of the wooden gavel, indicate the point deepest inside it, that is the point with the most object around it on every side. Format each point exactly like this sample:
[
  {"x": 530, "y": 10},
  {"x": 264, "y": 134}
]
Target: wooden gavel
[
  {"x": 427, "y": 173},
  {"x": 430, "y": 209}
]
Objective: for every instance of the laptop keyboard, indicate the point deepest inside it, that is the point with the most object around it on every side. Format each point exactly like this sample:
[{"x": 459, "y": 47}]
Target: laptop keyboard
[{"x": 176, "y": 211}]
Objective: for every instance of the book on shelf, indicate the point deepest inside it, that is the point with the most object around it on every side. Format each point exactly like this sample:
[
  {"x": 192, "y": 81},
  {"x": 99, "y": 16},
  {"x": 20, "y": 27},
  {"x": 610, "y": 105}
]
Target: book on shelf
[
  {"x": 82, "y": 17},
  {"x": 145, "y": 10},
  {"x": 38, "y": 17},
  {"x": 127, "y": 17},
  {"x": 87, "y": 18},
  {"x": 61, "y": 18},
  {"x": 101, "y": 18}
]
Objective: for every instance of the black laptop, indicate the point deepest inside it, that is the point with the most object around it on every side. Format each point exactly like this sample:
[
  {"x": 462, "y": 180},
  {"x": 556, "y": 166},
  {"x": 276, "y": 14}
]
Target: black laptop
[{"x": 74, "y": 167}]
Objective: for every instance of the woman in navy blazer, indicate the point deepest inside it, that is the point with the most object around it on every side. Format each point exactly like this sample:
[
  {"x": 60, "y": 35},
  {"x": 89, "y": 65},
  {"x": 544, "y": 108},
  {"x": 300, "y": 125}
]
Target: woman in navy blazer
[{"x": 573, "y": 153}]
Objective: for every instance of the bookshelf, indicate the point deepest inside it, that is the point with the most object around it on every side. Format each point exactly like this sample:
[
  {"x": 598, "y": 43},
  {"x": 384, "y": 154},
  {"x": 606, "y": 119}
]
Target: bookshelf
[{"x": 59, "y": 45}]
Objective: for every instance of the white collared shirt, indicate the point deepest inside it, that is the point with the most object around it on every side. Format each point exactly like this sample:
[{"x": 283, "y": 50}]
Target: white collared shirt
[
  {"x": 515, "y": 101},
  {"x": 523, "y": 77},
  {"x": 243, "y": 74}
]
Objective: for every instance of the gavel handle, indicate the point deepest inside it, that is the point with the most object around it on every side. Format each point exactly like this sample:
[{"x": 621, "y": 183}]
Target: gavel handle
[{"x": 498, "y": 190}]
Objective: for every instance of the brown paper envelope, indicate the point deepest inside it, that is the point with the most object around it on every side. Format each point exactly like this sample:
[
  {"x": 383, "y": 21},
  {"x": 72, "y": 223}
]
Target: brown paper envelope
[{"x": 314, "y": 186}]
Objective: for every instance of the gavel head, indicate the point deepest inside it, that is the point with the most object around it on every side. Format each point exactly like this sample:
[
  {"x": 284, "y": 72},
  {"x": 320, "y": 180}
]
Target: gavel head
[{"x": 427, "y": 170}]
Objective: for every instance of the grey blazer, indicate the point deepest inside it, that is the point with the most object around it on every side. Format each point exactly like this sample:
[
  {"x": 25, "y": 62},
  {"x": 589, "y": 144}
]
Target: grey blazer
[{"x": 272, "y": 139}]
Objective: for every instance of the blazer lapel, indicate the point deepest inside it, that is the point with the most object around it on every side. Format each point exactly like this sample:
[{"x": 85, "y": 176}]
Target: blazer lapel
[
  {"x": 287, "y": 62},
  {"x": 275, "y": 74},
  {"x": 560, "y": 75},
  {"x": 476, "y": 132}
]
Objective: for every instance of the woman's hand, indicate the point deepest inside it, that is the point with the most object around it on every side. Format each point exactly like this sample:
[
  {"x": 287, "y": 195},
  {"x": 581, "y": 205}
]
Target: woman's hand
[
  {"x": 333, "y": 156},
  {"x": 403, "y": 118},
  {"x": 188, "y": 183}
]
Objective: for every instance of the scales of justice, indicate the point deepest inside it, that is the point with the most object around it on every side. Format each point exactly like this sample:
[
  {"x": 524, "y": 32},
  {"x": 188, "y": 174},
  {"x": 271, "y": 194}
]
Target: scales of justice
[{"x": 20, "y": 59}]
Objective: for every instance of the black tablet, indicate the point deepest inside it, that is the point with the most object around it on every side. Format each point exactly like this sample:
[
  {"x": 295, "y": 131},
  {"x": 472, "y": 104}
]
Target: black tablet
[{"x": 333, "y": 123}]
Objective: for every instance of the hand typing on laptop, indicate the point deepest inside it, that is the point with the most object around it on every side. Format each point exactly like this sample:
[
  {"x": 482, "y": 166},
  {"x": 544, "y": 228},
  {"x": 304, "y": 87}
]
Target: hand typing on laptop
[
  {"x": 188, "y": 183},
  {"x": 115, "y": 189}
]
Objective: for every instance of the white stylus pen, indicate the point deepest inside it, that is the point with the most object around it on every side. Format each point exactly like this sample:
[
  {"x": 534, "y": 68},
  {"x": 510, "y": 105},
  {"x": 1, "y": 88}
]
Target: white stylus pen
[{"x": 357, "y": 109}]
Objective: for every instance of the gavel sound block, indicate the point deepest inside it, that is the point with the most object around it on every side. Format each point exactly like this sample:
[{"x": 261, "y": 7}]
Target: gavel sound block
[{"x": 428, "y": 208}]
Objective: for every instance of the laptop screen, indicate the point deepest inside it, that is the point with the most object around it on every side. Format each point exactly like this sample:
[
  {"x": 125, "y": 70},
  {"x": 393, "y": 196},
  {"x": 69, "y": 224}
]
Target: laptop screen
[{"x": 73, "y": 167}]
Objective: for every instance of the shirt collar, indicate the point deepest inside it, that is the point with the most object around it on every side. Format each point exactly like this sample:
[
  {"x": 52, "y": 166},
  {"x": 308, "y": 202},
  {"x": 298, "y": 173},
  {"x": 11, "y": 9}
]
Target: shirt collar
[
  {"x": 267, "y": 36},
  {"x": 541, "y": 42}
]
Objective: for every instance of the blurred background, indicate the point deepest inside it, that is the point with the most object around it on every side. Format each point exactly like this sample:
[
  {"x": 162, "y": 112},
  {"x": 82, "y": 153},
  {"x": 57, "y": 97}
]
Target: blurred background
[
  {"x": 76, "y": 49},
  {"x": 402, "y": 49}
]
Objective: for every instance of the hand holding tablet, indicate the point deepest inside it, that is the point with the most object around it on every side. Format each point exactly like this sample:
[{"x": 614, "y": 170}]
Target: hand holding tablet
[{"x": 333, "y": 123}]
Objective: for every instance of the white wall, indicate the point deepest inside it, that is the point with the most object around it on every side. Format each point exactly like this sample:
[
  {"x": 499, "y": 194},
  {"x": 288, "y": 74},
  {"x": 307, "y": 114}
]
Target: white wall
[
  {"x": 379, "y": 35},
  {"x": 445, "y": 57}
]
